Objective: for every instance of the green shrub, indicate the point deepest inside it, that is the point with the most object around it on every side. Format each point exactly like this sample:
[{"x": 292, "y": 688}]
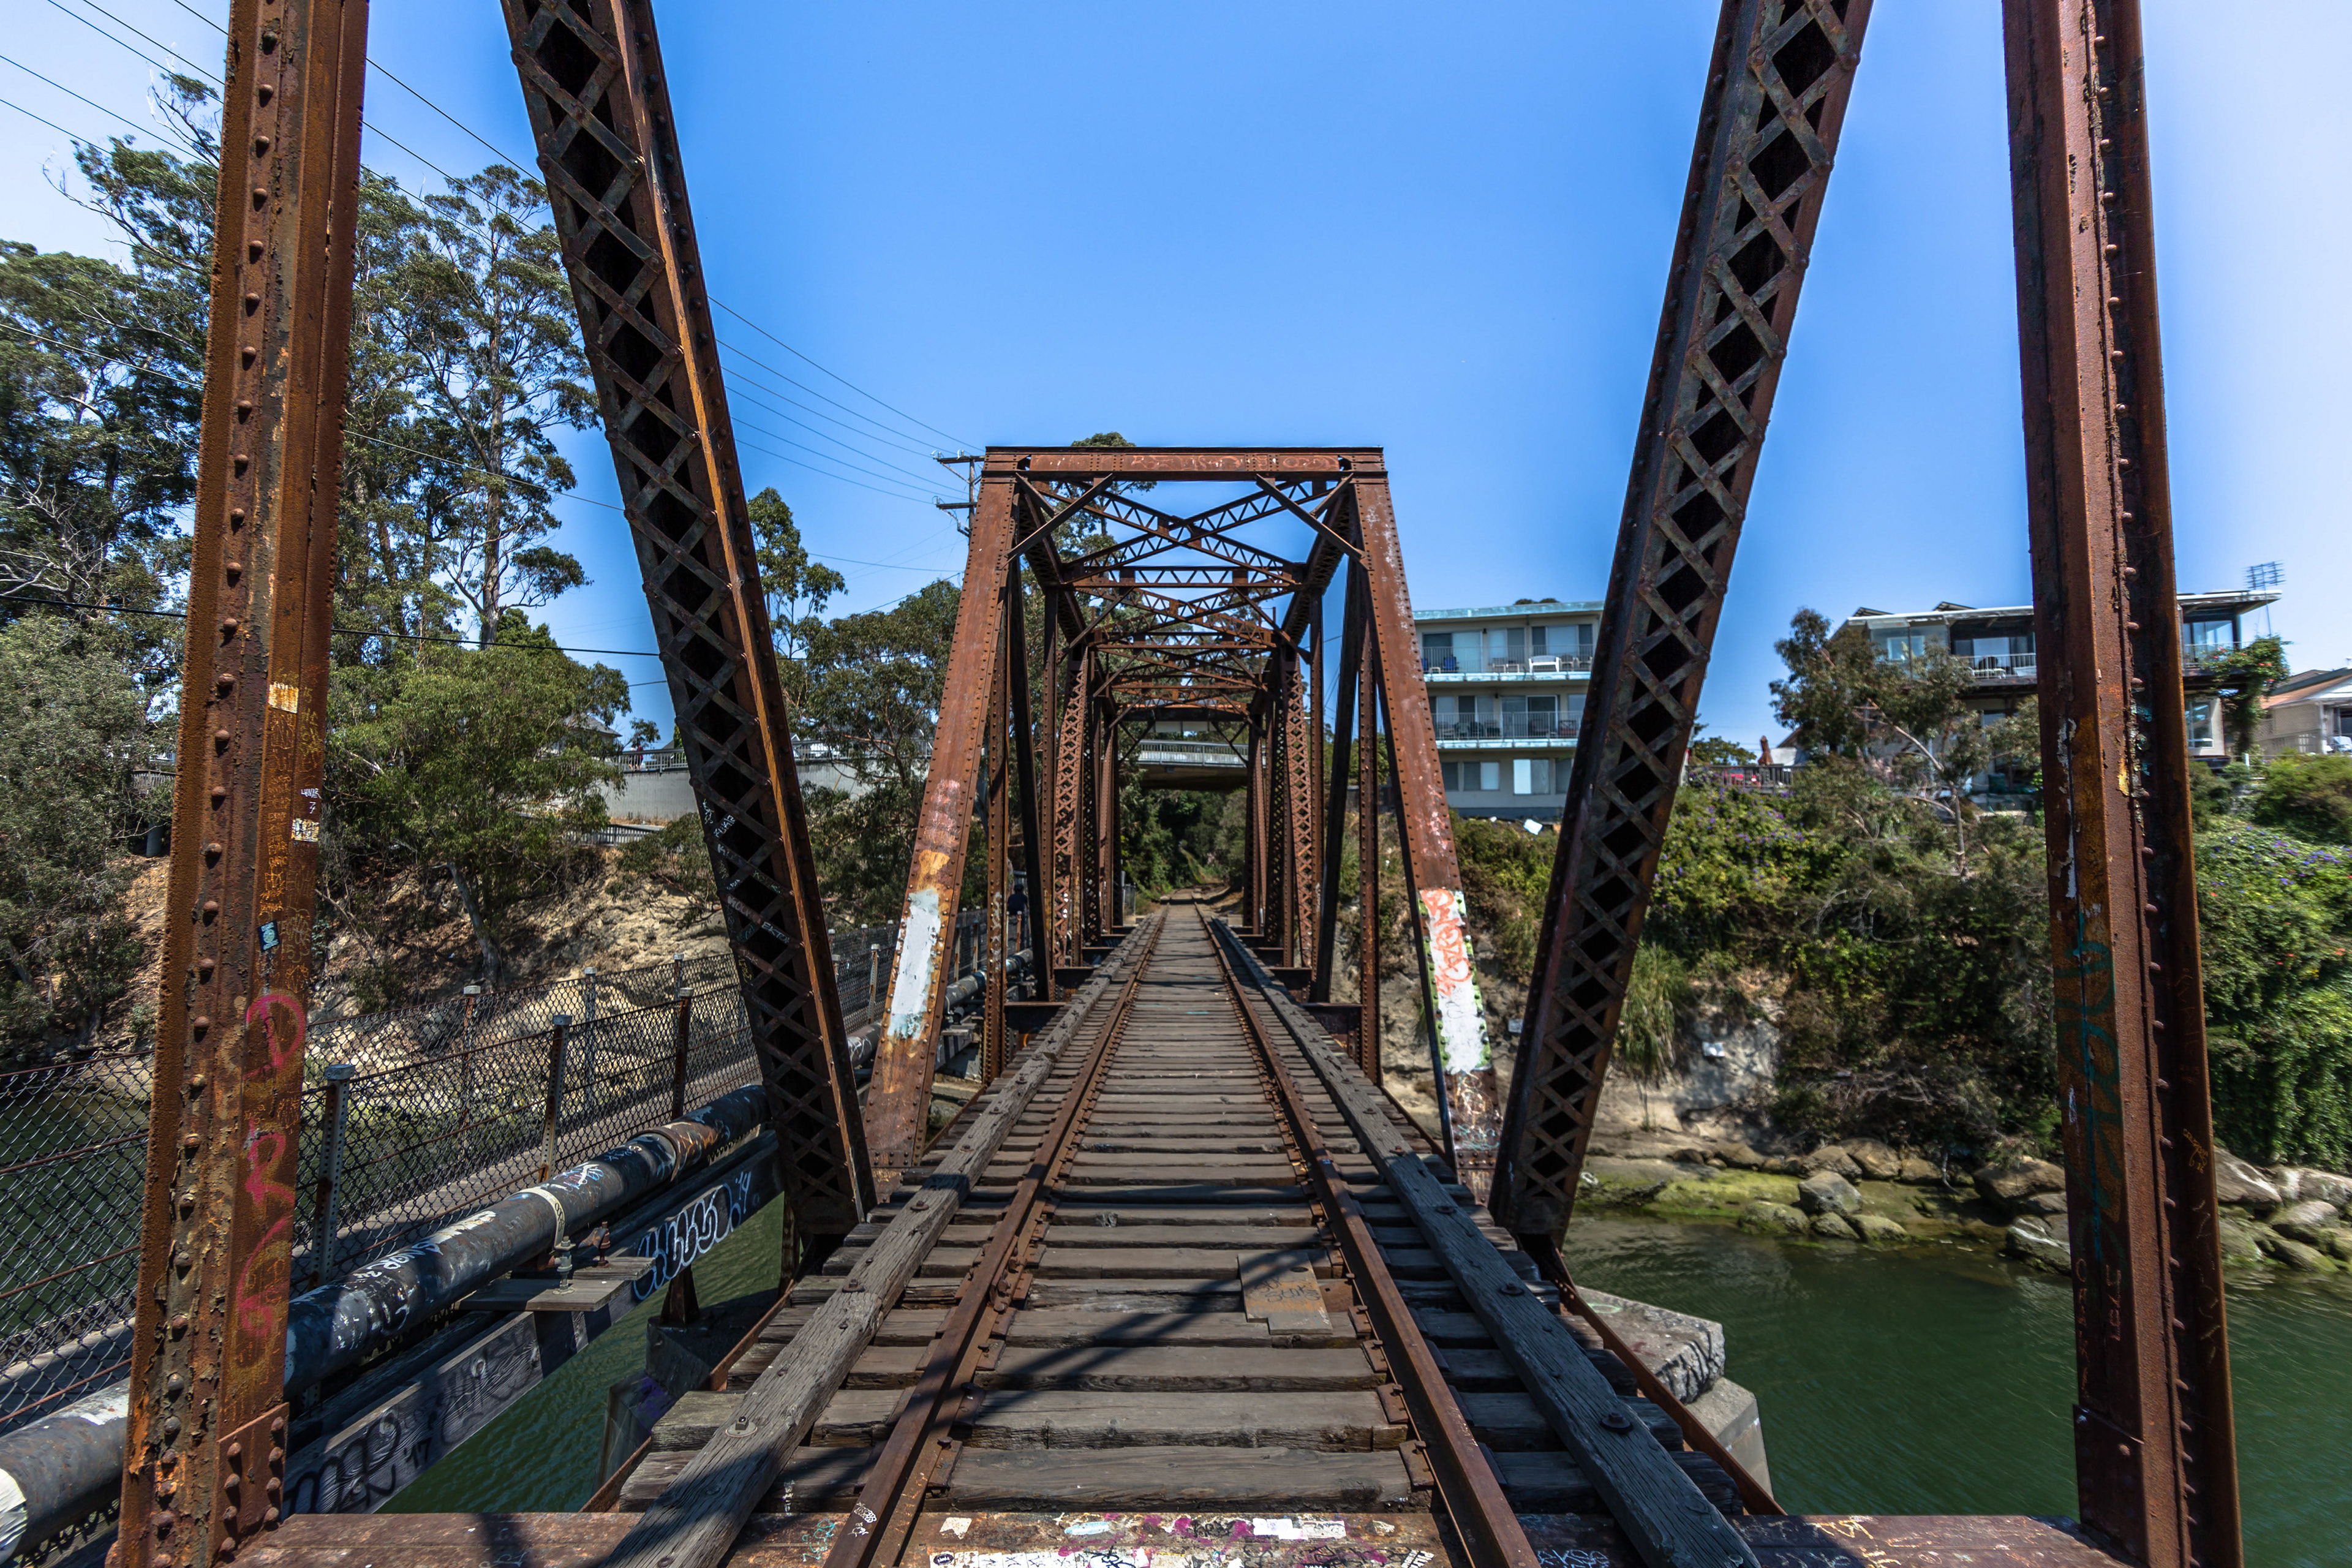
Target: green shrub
[{"x": 2308, "y": 796}]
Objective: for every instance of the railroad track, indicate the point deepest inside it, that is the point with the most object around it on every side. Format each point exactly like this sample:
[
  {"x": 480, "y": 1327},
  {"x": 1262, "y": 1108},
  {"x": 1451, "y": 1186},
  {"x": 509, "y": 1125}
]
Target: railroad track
[{"x": 1202, "y": 1284}]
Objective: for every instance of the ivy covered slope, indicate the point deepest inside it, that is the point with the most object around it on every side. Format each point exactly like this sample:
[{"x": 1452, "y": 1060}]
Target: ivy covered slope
[{"x": 1911, "y": 988}]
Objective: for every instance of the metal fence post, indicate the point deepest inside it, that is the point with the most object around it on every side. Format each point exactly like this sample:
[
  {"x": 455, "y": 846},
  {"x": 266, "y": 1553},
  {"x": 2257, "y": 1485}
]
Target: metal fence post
[
  {"x": 558, "y": 1039},
  {"x": 331, "y": 1170},
  {"x": 873, "y": 978},
  {"x": 678, "y": 974},
  {"x": 588, "y": 1041},
  {"x": 466, "y": 1059},
  {"x": 678, "y": 1066}
]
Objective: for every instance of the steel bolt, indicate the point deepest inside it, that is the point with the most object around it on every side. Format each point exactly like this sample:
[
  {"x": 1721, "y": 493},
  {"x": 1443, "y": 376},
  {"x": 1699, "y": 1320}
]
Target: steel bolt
[
  {"x": 260, "y": 145},
  {"x": 192, "y": 1142}
]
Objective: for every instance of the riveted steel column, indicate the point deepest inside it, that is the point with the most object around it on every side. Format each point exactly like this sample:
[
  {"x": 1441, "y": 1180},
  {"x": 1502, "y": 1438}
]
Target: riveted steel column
[
  {"x": 1432, "y": 874},
  {"x": 599, "y": 111},
  {"x": 1368, "y": 853},
  {"x": 2155, "y": 1452},
  {"x": 898, "y": 1102},
  {"x": 1769, "y": 125},
  {"x": 205, "y": 1450}
]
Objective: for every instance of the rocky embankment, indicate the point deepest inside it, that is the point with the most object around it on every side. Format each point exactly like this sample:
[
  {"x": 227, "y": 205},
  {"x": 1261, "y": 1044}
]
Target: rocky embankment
[{"x": 1864, "y": 1193}]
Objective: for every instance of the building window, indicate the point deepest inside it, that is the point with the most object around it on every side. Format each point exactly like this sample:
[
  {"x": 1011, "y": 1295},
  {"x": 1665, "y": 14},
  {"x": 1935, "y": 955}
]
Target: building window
[
  {"x": 2209, "y": 640},
  {"x": 1531, "y": 775},
  {"x": 1901, "y": 645},
  {"x": 1465, "y": 778},
  {"x": 1506, "y": 645},
  {"x": 1568, "y": 640},
  {"x": 2201, "y": 724},
  {"x": 1437, "y": 650}
]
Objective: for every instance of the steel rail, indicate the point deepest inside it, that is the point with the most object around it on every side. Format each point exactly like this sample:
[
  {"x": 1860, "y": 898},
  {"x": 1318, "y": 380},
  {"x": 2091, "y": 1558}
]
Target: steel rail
[
  {"x": 892, "y": 1492},
  {"x": 1467, "y": 1484}
]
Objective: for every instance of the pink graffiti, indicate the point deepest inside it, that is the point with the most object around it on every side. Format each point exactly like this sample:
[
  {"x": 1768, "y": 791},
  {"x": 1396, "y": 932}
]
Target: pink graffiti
[
  {"x": 258, "y": 1308},
  {"x": 280, "y": 1051}
]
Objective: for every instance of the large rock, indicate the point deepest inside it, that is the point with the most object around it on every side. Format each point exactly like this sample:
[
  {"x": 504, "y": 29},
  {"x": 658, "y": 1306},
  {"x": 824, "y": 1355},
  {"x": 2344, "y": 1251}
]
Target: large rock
[
  {"x": 2296, "y": 1255},
  {"x": 1740, "y": 1157},
  {"x": 1920, "y": 1173},
  {"x": 1765, "y": 1218},
  {"x": 2241, "y": 1239},
  {"x": 2235, "y": 1182},
  {"x": 2303, "y": 1220},
  {"x": 1830, "y": 1157},
  {"x": 2052, "y": 1205},
  {"x": 2035, "y": 1242},
  {"x": 1826, "y": 1192},
  {"x": 2006, "y": 1184},
  {"x": 2297, "y": 1187},
  {"x": 1877, "y": 1161},
  {"x": 1878, "y": 1230},
  {"x": 1834, "y": 1228},
  {"x": 2337, "y": 1242}
]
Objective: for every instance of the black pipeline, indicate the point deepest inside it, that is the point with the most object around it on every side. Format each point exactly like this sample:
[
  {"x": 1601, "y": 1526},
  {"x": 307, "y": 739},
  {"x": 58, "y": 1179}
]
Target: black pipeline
[{"x": 64, "y": 1466}]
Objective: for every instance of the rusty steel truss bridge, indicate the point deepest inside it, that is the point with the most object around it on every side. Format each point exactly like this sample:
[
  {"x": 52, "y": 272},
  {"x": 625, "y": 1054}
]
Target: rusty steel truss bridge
[{"x": 1163, "y": 1086}]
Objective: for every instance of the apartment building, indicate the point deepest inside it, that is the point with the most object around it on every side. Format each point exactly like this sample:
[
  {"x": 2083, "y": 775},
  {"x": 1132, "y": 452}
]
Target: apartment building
[
  {"x": 1999, "y": 643},
  {"x": 1507, "y": 689}
]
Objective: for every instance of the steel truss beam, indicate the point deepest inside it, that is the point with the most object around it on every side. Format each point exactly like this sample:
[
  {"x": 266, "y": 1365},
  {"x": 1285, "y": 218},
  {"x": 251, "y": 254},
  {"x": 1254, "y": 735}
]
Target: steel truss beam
[
  {"x": 1154, "y": 633},
  {"x": 600, "y": 112},
  {"x": 204, "y": 1454},
  {"x": 1769, "y": 126},
  {"x": 2155, "y": 1453}
]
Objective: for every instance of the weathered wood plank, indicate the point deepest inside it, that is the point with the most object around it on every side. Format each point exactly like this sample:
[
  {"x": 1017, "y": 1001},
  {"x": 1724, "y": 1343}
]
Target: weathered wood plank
[
  {"x": 1196, "y": 1369},
  {"x": 1066, "y": 1418},
  {"x": 1257, "y": 1480}
]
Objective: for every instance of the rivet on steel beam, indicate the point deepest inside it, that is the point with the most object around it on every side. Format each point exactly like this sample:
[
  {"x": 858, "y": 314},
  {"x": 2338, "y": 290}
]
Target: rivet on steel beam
[
  {"x": 241, "y": 462},
  {"x": 224, "y": 682},
  {"x": 249, "y": 353},
  {"x": 202, "y": 1021},
  {"x": 232, "y": 570},
  {"x": 182, "y": 1261},
  {"x": 260, "y": 145},
  {"x": 221, "y": 739},
  {"x": 212, "y": 908},
  {"x": 236, "y": 517},
  {"x": 180, "y": 1325},
  {"x": 192, "y": 1142},
  {"x": 228, "y": 628},
  {"x": 244, "y": 407},
  {"x": 264, "y": 93}
]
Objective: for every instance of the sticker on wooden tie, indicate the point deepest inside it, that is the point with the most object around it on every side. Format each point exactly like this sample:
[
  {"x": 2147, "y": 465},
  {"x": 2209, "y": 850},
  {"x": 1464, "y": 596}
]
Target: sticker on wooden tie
[{"x": 1281, "y": 1292}]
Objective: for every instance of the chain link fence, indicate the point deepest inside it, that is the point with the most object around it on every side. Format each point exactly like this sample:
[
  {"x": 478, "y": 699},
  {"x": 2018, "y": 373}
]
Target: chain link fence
[{"x": 411, "y": 1118}]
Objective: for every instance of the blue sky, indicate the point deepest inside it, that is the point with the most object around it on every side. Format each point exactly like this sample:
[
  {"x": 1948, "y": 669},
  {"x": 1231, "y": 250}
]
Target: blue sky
[{"x": 1439, "y": 229}]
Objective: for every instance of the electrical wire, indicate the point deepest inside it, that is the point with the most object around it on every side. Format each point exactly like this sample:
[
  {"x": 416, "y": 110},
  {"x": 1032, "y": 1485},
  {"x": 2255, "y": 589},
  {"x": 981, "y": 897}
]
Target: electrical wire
[
  {"x": 843, "y": 380},
  {"x": 376, "y": 129},
  {"x": 142, "y": 130},
  {"x": 334, "y": 631}
]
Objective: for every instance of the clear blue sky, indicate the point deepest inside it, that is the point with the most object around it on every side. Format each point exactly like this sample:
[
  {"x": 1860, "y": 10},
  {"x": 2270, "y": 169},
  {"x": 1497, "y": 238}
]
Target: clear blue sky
[{"x": 1441, "y": 229}]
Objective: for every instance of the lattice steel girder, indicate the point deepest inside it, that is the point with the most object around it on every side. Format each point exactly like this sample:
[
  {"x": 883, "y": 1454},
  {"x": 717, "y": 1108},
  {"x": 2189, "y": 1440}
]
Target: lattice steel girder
[
  {"x": 1769, "y": 126},
  {"x": 205, "y": 1447},
  {"x": 1458, "y": 1049},
  {"x": 1279, "y": 463},
  {"x": 1069, "y": 809},
  {"x": 1335, "y": 810},
  {"x": 600, "y": 112},
  {"x": 897, "y": 1102},
  {"x": 2155, "y": 1452}
]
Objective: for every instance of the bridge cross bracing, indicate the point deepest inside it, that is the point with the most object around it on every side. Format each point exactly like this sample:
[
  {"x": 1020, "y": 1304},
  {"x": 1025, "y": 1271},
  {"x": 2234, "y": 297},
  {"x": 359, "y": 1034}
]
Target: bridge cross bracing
[{"x": 1145, "y": 613}]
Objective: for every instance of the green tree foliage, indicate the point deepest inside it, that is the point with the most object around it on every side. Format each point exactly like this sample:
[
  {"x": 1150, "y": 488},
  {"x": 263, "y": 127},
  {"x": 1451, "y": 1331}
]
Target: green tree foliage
[
  {"x": 871, "y": 703},
  {"x": 1906, "y": 722},
  {"x": 101, "y": 368},
  {"x": 484, "y": 765},
  {"x": 2276, "y": 916},
  {"x": 71, "y": 732},
  {"x": 2244, "y": 675},
  {"x": 797, "y": 588},
  {"x": 2309, "y": 796}
]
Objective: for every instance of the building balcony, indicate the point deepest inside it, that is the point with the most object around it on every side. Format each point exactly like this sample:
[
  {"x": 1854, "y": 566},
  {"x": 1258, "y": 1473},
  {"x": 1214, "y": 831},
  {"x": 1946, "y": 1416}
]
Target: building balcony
[
  {"x": 2024, "y": 668},
  {"x": 1542, "y": 666},
  {"x": 1510, "y": 729}
]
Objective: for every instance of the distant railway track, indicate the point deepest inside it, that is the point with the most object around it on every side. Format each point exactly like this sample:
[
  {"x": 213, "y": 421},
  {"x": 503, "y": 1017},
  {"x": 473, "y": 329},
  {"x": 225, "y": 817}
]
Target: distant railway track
[{"x": 1178, "y": 1282}]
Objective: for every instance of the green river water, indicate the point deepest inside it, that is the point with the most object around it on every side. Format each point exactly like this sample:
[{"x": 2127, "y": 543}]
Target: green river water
[{"x": 1933, "y": 1380}]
